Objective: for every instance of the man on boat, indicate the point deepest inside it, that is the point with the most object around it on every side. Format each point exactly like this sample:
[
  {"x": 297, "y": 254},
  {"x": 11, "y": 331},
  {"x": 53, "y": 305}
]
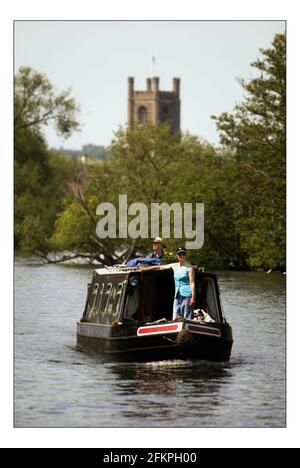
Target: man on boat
[{"x": 153, "y": 258}]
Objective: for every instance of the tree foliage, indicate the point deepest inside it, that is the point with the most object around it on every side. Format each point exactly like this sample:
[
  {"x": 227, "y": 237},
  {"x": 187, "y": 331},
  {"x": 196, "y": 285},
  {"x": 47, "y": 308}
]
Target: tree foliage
[
  {"x": 37, "y": 104},
  {"x": 255, "y": 134},
  {"x": 38, "y": 177},
  {"x": 150, "y": 165}
]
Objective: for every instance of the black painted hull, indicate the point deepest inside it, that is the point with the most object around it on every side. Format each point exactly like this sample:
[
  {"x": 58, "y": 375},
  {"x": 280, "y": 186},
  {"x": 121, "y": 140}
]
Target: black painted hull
[{"x": 122, "y": 343}]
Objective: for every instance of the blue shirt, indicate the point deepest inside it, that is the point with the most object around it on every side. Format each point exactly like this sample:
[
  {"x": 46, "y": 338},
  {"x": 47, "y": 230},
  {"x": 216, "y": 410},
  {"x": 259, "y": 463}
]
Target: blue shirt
[{"x": 182, "y": 280}]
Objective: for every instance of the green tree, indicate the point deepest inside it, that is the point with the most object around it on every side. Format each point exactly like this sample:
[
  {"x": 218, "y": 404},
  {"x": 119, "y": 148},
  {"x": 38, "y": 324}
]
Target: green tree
[
  {"x": 150, "y": 164},
  {"x": 139, "y": 169},
  {"x": 37, "y": 104},
  {"x": 40, "y": 185},
  {"x": 255, "y": 134},
  {"x": 39, "y": 177}
]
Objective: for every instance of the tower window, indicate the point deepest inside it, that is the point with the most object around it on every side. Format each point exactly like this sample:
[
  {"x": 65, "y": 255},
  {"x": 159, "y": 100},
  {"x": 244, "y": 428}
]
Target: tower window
[
  {"x": 164, "y": 114},
  {"x": 142, "y": 114}
]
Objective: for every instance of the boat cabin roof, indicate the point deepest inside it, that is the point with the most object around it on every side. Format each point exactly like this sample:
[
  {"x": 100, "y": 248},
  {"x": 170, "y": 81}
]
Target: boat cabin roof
[{"x": 127, "y": 271}]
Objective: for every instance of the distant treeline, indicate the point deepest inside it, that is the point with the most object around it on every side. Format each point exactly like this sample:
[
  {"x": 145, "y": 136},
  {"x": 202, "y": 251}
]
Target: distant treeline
[
  {"x": 241, "y": 183},
  {"x": 92, "y": 152}
]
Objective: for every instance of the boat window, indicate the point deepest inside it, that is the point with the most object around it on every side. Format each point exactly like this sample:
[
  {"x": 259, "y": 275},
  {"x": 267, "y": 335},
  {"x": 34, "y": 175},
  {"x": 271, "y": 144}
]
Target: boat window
[
  {"x": 131, "y": 304},
  {"x": 212, "y": 307},
  {"x": 99, "y": 297},
  {"x": 108, "y": 305},
  {"x": 93, "y": 301},
  {"x": 119, "y": 298}
]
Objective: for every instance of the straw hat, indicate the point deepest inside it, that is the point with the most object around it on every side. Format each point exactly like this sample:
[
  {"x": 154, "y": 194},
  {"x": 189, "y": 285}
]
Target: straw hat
[{"x": 159, "y": 240}]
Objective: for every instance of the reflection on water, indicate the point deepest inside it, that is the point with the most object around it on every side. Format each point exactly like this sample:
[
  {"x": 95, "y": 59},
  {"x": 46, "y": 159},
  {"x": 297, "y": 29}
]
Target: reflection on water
[
  {"x": 168, "y": 378},
  {"x": 58, "y": 386},
  {"x": 171, "y": 392}
]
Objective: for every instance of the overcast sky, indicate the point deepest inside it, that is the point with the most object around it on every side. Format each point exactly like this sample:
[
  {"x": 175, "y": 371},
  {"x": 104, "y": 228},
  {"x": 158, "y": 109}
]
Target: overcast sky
[{"x": 95, "y": 59}]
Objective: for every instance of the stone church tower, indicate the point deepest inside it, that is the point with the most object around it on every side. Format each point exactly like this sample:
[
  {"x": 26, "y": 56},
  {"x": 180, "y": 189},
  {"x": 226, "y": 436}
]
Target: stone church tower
[{"x": 154, "y": 105}]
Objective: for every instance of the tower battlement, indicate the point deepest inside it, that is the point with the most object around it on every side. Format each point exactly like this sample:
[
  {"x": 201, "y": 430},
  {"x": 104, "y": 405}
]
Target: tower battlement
[{"x": 153, "y": 105}]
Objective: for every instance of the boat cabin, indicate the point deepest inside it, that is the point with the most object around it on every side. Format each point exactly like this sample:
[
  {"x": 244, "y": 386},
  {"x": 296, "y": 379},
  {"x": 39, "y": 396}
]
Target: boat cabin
[{"x": 120, "y": 296}]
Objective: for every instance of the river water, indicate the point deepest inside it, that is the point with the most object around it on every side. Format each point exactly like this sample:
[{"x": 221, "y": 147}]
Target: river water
[{"x": 58, "y": 386}]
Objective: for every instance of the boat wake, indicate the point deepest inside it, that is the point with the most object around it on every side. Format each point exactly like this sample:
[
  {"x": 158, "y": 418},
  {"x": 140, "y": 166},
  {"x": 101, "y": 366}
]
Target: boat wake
[{"x": 176, "y": 364}]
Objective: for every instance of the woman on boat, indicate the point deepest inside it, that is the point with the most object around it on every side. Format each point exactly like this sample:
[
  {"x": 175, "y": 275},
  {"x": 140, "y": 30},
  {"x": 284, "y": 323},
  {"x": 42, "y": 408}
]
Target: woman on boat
[{"x": 185, "y": 290}]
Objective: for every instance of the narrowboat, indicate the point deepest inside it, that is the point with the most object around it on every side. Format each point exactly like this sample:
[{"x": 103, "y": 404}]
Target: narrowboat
[{"x": 128, "y": 318}]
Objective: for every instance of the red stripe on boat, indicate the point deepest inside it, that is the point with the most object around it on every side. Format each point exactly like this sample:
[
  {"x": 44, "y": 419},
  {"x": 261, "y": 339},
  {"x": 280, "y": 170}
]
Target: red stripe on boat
[
  {"x": 204, "y": 330},
  {"x": 158, "y": 329}
]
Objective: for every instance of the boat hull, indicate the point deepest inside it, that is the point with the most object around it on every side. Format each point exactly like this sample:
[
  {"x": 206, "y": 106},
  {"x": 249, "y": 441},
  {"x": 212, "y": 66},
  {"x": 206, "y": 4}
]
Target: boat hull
[{"x": 146, "y": 343}]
